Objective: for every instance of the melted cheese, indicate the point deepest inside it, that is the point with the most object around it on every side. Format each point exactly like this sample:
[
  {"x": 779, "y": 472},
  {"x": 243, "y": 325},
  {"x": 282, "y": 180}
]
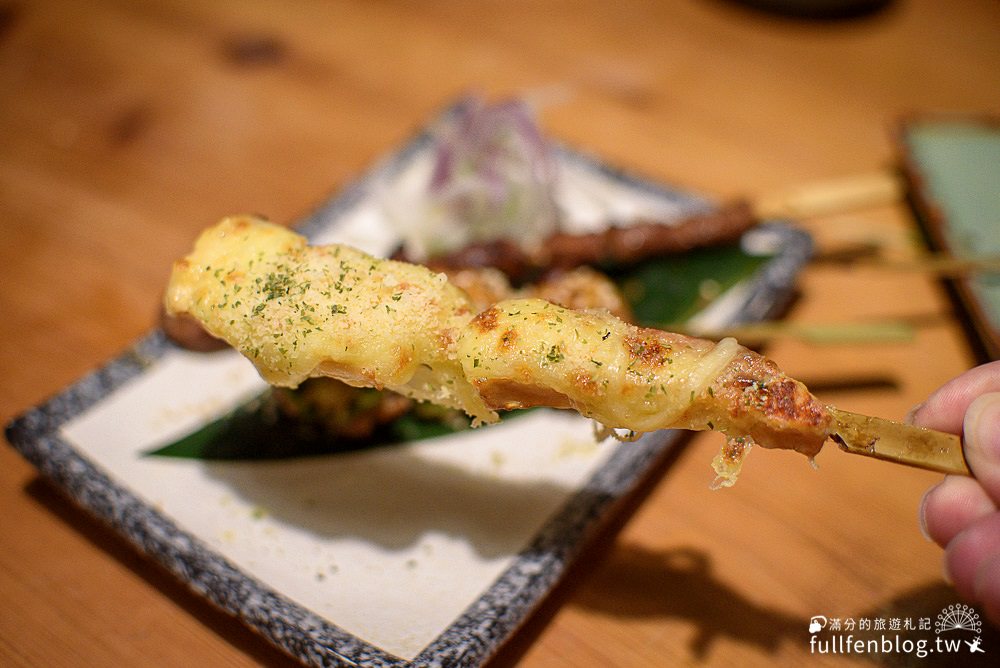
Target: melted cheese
[
  {"x": 298, "y": 311},
  {"x": 618, "y": 374}
]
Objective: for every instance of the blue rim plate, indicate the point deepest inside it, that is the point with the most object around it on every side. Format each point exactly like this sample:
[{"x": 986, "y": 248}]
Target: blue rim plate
[{"x": 489, "y": 566}]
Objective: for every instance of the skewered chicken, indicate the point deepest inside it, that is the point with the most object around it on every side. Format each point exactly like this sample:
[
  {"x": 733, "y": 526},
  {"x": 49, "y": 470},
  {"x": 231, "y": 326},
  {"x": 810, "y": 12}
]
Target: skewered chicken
[{"x": 298, "y": 311}]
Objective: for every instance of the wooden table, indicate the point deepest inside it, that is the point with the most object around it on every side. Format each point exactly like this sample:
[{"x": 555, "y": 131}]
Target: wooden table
[{"x": 125, "y": 128}]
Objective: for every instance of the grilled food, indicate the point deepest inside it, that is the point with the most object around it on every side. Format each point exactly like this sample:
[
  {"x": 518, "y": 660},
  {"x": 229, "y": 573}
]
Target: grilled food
[{"x": 299, "y": 311}]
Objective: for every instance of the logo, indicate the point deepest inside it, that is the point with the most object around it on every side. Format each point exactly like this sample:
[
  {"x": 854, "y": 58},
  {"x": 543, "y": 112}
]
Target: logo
[
  {"x": 958, "y": 617},
  {"x": 961, "y": 617},
  {"x": 974, "y": 645},
  {"x": 957, "y": 630},
  {"x": 817, "y": 624}
]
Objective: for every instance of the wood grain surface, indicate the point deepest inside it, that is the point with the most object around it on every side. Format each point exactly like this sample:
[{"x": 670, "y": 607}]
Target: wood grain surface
[{"x": 127, "y": 127}]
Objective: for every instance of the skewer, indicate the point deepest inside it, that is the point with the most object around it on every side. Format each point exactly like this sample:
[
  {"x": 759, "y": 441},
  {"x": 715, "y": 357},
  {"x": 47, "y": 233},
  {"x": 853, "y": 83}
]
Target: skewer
[{"x": 897, "y": 442}]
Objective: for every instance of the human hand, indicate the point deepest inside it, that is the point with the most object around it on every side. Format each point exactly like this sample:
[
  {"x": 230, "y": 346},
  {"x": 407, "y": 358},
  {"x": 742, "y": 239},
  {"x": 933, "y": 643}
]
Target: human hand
[{"x": 961, "y": 514}]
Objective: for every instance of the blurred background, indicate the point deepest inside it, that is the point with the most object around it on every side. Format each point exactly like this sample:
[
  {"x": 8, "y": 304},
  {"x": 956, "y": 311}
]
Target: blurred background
[{"x": 126, "y": 128}]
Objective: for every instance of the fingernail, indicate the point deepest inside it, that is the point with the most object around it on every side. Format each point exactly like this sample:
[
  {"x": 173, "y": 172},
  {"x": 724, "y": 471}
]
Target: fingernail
[
  {"x": 982, "y": 428},
  {"x": 912, "y": 415},
  {"x": 922, "y": 515}
]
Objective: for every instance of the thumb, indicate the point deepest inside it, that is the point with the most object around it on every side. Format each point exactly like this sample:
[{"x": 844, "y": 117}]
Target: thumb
[{"x": 981, "y": 430}]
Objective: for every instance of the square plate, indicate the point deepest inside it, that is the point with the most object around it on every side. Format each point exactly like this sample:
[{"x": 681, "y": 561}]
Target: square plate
[
  {"x": 430, "y": 552},
  {"x": 952, "y": 166}
]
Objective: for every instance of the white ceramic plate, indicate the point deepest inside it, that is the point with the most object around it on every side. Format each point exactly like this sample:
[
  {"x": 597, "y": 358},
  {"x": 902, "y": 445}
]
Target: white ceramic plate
[{"x": 425, "y": 553}]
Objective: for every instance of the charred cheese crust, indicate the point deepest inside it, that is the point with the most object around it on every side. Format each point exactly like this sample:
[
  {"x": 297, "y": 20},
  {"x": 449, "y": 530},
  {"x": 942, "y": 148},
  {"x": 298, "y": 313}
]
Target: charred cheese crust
[
  {"x": 298, "y": 311},
  {"x": 528, "y": 352}
]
